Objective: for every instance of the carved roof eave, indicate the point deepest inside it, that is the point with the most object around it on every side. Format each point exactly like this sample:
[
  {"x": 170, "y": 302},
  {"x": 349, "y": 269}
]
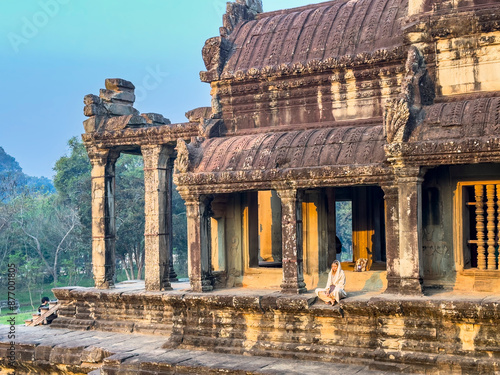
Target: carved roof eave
[
  {"x": 153, "y": 135},
  {"x": 300, "y": 178},
  {"x": 379, "y": 57},
  {"x": 441, "y": 152}
]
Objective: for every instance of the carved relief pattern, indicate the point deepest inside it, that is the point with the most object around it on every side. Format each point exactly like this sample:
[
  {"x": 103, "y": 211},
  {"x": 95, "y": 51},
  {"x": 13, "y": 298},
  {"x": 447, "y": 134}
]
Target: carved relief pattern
[
  {"x": 277, "y": 42},
  {"x": 242, "y": 34},
  {"x": 306, "y": 37},
  {"x": 452, "y": 114},
  {"x": 354, "y": 28},
  {"x": 280, "y": 159},
  {"x": 338, "y": 30},
  {"x": 370, "y": 30},
  {"x": 389, "y": 18},
  {"x": 263, "y": 41},
  {"x": 318, "y": 50},
  {"x": 241, "y": 145},
  {"x": 252, "y": 152},
  {"x": 266, "y": 150},
  {"x": 494, "y": 116},
  {"x": 209, "y": 151},
  {"x": 481, "y": 258}
]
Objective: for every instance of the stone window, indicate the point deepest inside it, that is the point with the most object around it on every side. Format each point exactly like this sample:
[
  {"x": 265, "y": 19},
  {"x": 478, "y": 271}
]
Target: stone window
[{"x": 479, "y": 224}]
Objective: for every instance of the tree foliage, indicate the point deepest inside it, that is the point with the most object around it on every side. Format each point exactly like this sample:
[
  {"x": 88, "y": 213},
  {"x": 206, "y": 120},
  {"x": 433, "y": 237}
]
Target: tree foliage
[{"x": 46, "y": 232}]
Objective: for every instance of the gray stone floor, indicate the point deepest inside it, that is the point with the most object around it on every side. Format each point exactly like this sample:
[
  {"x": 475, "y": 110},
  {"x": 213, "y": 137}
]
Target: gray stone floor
[{"x": 131, "y": 351}]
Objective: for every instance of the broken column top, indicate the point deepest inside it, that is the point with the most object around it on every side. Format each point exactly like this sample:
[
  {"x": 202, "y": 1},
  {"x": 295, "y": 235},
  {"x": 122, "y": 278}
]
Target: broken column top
[{"x": 114, "y": 109}]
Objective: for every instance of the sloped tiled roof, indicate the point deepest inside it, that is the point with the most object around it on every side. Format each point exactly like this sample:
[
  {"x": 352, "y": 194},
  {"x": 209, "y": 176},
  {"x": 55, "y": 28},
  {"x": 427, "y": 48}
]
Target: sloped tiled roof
[
  {"x": 357, "y": 145},
  {"x": 316, "y": 33}
]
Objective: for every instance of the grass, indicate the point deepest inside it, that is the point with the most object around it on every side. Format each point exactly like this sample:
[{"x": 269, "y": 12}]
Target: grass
[{"x": 19, "y": 318}]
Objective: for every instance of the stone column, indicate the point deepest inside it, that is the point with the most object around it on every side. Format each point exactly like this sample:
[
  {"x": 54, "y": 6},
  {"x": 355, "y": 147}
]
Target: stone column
[
  {"x": 409, "y": 183},
  {"x": 199, "y": 243},
  {"x": 391, "y": 195},
  {"x": 292, "y": 258},
  {"x": 158, "y": 229},
  {"x": 103, "y": 216},
  {"x": 170, "y": 239}
]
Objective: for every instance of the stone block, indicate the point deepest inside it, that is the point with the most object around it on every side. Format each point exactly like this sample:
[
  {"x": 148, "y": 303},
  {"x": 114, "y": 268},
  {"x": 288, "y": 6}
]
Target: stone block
[
  {"x": 156, "y": 118},
  {"x": 91, "y": 99},
  {"x": 94, "y": 110},
  {"x": 67, "y": 356},
  {"x": 42, "y": 352},
  {"x": 94, "y": 354},
  {"x": 120, "y": 109},
  {"x": 116, "y": 123},
  {"x": 121, "y": 97},
  {"x": 136, "y": 122},
  {"x": 118, "y": 84},
  {"x": 198, "y": 114},
  {"x": 94, "y": 124}
]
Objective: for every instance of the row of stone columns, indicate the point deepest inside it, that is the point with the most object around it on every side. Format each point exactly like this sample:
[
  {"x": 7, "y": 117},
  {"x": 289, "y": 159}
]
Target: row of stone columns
[
  {"x": 158, "y": 167},
  {"x": 403, "y": 227},
  {"x": 199, "y": 213}
]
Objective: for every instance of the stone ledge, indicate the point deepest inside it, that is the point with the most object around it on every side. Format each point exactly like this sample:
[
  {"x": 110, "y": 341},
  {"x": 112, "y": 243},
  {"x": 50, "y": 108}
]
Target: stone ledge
[
  {"x": 445, "y": 331},
  {"x": 102, "y": 353}
]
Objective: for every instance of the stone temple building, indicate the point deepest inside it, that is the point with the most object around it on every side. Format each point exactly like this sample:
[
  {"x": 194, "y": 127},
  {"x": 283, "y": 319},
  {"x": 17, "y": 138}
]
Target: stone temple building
[{"x": 392, "y": 106}]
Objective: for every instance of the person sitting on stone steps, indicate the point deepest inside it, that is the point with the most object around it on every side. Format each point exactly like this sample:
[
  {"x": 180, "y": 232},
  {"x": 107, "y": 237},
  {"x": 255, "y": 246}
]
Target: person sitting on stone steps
[
  {"x": 44, "y": 305},
  {"x": 334, "y": 290}
]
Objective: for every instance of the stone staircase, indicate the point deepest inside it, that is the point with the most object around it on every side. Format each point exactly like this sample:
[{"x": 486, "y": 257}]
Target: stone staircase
[{"x": 46, "y": 315}]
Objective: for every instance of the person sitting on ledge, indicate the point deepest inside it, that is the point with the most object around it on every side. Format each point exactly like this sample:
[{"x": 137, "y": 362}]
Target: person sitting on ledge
[
  {"x": 44, "y": 305},
  {"x": 334, "y": 290}
]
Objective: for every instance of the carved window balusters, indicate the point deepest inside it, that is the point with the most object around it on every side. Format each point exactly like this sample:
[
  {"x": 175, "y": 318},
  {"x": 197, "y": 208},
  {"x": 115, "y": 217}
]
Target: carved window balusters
[
  {"x": 490, "y": 225},
  {"x": 487, "y": 209}
]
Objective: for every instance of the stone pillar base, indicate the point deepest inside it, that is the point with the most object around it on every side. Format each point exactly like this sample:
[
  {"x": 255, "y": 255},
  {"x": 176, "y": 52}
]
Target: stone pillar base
[
  {"x": 172, "y": 275},
  {"x": 201, "y": 286},
  {"x": 404, "y": 286},
  {"x": 154, "y": 287},
  {"x": 293, "y": 287},
  {"x": 104, "y": 284}
]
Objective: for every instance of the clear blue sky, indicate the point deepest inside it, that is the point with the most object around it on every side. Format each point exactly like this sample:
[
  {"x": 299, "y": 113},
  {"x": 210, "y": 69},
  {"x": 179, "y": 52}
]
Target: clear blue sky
[{"x": 54, "y": 52}]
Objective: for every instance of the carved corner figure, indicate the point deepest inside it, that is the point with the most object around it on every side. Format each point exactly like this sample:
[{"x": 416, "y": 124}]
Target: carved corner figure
[
  {"x": 181, "y": 164},
  {"x": 403, "y": 114},
  {"x": 396, "y": 118}
]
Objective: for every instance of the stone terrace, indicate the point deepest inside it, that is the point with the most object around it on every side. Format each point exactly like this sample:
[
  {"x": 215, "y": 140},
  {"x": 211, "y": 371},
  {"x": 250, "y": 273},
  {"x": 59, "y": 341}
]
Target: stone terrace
[{"x": 44, "y": 350}]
